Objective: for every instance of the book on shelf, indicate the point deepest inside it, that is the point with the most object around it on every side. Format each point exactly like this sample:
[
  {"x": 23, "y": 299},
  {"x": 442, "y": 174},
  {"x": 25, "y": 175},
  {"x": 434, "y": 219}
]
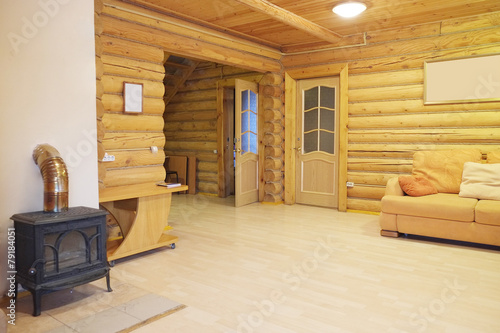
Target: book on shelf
[{"x": 169, "y": 185}]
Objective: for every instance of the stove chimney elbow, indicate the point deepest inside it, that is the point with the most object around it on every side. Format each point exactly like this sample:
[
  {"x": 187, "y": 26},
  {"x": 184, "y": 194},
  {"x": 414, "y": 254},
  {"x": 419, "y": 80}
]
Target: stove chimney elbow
[{"x": 55, "y": 178}]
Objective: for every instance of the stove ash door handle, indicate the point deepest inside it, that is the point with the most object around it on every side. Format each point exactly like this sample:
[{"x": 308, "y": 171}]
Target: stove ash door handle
[{"x": 32, "y": 270}]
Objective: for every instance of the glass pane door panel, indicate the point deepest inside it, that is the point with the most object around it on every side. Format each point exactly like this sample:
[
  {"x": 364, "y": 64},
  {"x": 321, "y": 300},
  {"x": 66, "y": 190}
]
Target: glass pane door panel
[
  {"x": 310, "y": 142},
  {"x": 253, "y": 143},
  {"x": 311, "y": 120},
  {"x": 252, "y": 122},
  {"x": 327, "y": 97},
  {"x": 244, "y": 143},
  {"x": 253, "y": 101},
  {"x": 311, "y": 98},
  {"x": 327, "y": 142},
  {"x": 244, "y": 121},
  {"x": 244, "y": 100},
  {"x": 327, "y": 121},
  {"x": 249, "y": 122}
]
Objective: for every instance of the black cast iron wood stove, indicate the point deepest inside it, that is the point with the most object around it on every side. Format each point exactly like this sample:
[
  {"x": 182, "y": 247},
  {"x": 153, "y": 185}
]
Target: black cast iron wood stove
[{"x": 59, "y": 250}]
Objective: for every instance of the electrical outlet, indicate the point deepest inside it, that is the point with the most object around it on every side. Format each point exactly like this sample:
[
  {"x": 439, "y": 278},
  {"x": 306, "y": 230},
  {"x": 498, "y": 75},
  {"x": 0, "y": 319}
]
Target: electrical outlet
[
  {"x": 108, "y": 158},
  {"x": 349, "y": 184}
]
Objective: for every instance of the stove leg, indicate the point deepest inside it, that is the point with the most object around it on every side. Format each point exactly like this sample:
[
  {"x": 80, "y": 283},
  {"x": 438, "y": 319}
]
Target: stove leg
[
  {"x": 108, "y": 282},
  {"x": 37, "y": 303}
]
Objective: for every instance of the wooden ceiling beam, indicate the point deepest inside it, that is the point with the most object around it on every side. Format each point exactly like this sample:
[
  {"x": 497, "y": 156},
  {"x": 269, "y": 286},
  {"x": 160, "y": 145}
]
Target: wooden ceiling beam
[{"x": 292, "y": 19}]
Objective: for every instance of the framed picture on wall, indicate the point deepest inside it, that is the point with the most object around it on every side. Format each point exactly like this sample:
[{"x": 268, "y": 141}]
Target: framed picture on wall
[
  {"x": 462, "y": 80},
  {"x": 132, "y": 96}
]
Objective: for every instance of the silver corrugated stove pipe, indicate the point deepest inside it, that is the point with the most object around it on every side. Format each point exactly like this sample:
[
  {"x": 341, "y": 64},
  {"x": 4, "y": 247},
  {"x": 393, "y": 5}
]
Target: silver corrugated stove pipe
[{"x": 55, "y": 178}]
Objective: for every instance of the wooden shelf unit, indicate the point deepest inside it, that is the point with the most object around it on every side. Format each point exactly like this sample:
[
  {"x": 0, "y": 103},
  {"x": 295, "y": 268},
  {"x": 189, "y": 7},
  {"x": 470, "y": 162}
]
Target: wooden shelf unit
[{"x": 142, "y": 217}]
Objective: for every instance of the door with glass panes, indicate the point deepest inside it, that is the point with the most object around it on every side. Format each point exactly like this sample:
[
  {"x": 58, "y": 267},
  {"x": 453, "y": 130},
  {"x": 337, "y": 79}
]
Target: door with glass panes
[
  {"x": 317, "y": 142},
  {"x": 246, "y": 143}
]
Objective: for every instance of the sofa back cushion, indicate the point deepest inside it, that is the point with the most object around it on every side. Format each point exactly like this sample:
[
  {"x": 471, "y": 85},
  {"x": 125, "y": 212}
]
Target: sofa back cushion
[
  {"x": 443, "y": 168},
  {"x": 481, "y": 181}
]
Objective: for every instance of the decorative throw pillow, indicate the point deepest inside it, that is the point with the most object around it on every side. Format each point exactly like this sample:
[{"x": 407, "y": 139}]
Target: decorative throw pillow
[
  {"x": 443, "y": 168},
  {"x": 416, "y": 186},
  {"x": 480, "y": 181}
]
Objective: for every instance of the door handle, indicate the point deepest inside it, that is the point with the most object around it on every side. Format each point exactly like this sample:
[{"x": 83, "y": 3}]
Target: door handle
[
  {"x": 237, "y": 150},
  {"x": 298, "y": 148}
]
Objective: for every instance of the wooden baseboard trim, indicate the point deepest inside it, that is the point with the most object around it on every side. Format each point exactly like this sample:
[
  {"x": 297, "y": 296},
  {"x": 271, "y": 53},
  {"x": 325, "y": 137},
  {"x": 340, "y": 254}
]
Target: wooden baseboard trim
[
  {"x": 272, "y": 203},
  {"x": 362, "y": 212}
]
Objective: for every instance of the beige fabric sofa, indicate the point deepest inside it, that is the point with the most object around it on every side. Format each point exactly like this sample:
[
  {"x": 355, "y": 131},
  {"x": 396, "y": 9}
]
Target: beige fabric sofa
[{"x": 445, "y": 214}]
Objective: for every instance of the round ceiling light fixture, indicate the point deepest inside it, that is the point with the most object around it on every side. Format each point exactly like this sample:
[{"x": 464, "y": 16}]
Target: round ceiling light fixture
[{"x": 349, "y": 9}]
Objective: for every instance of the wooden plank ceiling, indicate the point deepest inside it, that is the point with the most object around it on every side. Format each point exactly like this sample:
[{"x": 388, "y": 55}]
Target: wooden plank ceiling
[{"x": 302, "y": 25}]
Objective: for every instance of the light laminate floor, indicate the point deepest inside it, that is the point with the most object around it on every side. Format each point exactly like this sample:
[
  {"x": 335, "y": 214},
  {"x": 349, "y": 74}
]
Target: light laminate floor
[{"x": 283, "y": 269}]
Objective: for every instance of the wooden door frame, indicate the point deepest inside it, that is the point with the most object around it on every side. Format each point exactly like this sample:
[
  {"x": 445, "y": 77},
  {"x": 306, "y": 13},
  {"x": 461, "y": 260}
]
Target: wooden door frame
[
  {"x": 291, "y": 77},
  {"x": 224, "y": 129}
]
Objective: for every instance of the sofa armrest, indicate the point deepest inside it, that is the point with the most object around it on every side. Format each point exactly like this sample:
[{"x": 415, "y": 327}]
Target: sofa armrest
[{"x": 393, "y": 188}]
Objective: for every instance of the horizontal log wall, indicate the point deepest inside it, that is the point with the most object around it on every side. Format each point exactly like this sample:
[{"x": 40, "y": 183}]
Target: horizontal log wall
[
  {"x": 131, "y": 43},
  {"x": 191, "y": 119},
  {"x": 272, "y": 87},
  {"x": 186, "y": 39},
  {"x": 129, "y": 137},
  {"x": 388, "y": 120}
]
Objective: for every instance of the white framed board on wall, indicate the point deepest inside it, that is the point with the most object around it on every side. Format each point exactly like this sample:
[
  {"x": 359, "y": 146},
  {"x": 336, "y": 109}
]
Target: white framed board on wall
[
  {"x": 132, "y": 95},
  {"x": 462, "y": 80}
]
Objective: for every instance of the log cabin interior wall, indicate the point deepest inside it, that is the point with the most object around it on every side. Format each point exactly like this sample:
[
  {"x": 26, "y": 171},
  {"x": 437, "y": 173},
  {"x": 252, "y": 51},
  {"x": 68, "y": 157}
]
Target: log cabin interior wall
[
  {"x": 132, "y": 45},
  {"x": 192, "y": 128},
  {"x": 387, "y": 120},
  {"x": 191, "y": 119},
  {"x": 191, "y": 125},
  {"x": 128, "y": 137}
]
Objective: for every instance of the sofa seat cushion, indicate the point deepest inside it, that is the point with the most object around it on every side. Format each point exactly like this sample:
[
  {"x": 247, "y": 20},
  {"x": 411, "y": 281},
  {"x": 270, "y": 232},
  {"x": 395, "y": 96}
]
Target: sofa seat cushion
[
  {"x": 445, "y": 206},
  {"x": 488, "y": 212}
]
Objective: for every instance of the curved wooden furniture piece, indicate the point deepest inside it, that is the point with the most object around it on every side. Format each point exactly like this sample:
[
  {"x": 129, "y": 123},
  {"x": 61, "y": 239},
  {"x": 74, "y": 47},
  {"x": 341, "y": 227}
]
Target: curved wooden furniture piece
[{"x": 142, "y": 218}]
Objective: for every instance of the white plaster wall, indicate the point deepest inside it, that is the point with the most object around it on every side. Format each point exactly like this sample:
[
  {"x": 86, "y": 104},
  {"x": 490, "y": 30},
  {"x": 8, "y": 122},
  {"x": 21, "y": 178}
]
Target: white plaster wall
[{"x": 47, "y": 95}]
